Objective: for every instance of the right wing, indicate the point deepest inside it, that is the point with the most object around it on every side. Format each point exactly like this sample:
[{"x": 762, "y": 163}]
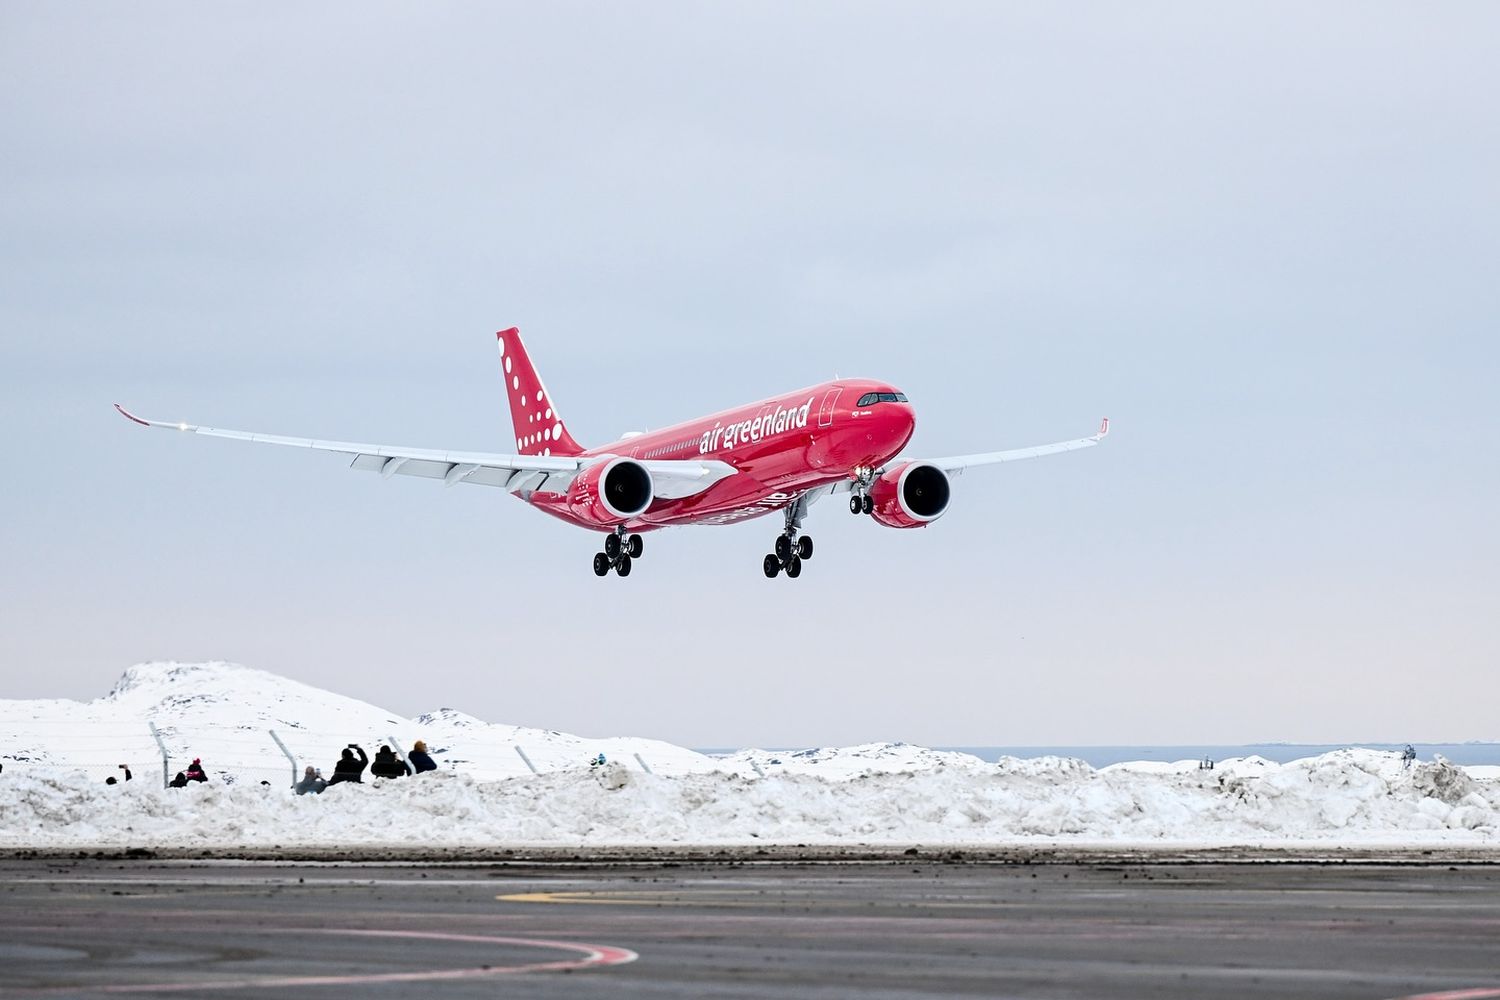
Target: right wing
[
  {"x": 526, "y": 474},
  {"x": 956, "y": 464}
]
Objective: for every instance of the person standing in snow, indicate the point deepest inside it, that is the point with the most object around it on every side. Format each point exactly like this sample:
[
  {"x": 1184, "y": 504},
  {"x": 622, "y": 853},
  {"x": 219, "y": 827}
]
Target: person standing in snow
[
  {"x": 111, "y": 780},
  {"x": 387, "y": 765},
  {"x": 311, "y": 782},
  {"x": 195, "y": 771},
  {"x": 349, "y": 769},
  {"x": 418, "y": 757}
]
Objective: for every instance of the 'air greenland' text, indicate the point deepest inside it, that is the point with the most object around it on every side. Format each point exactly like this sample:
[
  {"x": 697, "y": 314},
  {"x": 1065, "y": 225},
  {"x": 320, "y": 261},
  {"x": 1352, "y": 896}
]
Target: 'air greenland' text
[{"x": 754, "y": 430}]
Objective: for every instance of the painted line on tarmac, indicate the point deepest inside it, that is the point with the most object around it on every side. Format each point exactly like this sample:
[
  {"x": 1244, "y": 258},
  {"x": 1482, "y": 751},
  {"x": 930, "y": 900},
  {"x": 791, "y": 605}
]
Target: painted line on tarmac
[
  {"x": 594, "y": 955},
  {"x": 754, "y": 898},
  {"x": 1482, "y": 993}
]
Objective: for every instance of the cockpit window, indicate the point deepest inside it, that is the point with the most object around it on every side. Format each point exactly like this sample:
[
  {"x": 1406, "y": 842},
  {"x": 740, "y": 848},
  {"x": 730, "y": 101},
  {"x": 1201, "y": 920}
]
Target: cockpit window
[{"x": 871, "y": 398}]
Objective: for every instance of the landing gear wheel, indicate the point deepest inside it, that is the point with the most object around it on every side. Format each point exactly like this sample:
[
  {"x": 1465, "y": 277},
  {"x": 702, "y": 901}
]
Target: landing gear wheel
[
  {"x": 794, "y": 567},
  {"x": 783, "y": 548},
  {"x": 772, "y": 566},
  {"x": 612, "y": 547},
  {"x": 868, "y": 505},
  {"x": 601, "y": 564},
  {"x": 854, "y": 505},
  {"x": 804, "y": 547},
  {"x": 635, "y": 546},
  {"x": 622, "y": 567}
]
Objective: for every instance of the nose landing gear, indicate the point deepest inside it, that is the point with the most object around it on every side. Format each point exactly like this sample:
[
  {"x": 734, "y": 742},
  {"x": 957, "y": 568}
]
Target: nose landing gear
[
  {"x": 619, "y": 550},
  {"x": 859, "y": 500}
]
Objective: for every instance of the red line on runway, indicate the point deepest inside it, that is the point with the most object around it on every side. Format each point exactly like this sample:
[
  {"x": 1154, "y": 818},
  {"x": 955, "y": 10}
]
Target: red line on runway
[
  {"x": 593, "y": 955},
  {"x": 1482, "y": 993}
]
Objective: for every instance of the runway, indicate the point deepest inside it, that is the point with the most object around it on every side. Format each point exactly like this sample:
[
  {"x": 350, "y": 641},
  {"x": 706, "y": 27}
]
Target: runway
[{"x": 98, "y": 928}]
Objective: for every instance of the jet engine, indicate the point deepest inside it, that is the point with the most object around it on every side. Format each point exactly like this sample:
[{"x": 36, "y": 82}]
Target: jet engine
[
  {"x": 910, "y": 495},
  {"x": 612, "y": 492}
]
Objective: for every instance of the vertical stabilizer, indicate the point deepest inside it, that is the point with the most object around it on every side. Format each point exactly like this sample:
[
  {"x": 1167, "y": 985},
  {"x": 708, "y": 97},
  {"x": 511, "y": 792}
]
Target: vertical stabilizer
[{"x": 539, "y": 428}]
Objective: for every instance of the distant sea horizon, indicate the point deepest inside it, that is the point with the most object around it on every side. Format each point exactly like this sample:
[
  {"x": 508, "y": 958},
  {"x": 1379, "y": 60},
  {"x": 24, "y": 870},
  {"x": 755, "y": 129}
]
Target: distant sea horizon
[{"x": 1467, "y": 754}]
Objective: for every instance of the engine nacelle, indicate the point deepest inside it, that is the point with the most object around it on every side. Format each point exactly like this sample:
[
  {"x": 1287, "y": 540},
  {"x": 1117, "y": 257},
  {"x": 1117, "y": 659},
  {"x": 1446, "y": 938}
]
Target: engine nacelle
[
  {"x": 612, "y": 492},
  {"x": 910, "y": 495}
]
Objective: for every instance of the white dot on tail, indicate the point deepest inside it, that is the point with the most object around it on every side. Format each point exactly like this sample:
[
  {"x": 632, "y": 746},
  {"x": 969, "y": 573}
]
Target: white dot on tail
[
  {"x": 547, "y": 452},
  {"x": 515, "y": 381},
  {"x": 549, "y": 413},
  {"x": 519, "y": 445},
  {"x": 507, "y": 366},
  {"x": 557, "y": 430},
  {"x": 547, "y": 434},
  {"x": 523, "y": 400},
  {"x": 541, "y": 394}
]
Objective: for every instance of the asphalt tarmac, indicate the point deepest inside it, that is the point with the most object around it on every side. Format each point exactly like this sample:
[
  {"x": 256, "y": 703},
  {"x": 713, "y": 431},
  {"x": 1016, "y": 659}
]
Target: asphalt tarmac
[{"x": 914, "y": 928}]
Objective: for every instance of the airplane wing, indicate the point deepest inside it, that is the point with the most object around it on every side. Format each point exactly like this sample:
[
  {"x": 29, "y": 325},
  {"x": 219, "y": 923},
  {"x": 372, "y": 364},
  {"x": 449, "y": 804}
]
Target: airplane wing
[
  {"x": 956, "y": 464},
  {"x": 518, "y": 473}
]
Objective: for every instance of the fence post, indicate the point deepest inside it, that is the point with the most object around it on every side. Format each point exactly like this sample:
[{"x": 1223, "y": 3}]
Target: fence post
[
  {"x": 166, "y": 778},
  {"x": 644, "y": 766},
  {"x": 527, "y": 759},
  {"x": 399, "y": 755},
  {"x": 290, "y": 759}
]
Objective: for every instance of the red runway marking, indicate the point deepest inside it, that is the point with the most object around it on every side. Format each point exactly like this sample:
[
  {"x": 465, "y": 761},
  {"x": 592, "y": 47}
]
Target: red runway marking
[
  {"x": 1481, "y": 993},
  {"x": 593, "y": 955}
]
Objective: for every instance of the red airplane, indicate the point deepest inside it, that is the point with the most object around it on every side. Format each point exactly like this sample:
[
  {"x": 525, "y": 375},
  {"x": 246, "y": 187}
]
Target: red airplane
[{"x": 782, "y": 453}]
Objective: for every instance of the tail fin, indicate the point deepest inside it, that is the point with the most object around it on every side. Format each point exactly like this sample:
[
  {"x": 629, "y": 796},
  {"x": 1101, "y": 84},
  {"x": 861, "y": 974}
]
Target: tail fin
[{"x": 539, "y": 427}]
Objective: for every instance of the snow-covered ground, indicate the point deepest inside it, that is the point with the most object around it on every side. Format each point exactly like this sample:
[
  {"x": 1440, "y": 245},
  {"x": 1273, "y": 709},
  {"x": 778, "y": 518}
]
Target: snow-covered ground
[{"x": 487, "y": 794}]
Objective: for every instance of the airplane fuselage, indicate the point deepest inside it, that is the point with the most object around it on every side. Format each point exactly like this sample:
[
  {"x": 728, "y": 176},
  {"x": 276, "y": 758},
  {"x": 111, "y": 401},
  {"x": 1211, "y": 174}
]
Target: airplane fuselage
[{"x": 780, "y": 448}]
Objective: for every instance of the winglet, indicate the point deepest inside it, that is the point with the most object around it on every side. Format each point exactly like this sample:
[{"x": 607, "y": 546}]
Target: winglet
[
  {"x": 131, "y": 416},
  {"x": 1103, "y": 429}
]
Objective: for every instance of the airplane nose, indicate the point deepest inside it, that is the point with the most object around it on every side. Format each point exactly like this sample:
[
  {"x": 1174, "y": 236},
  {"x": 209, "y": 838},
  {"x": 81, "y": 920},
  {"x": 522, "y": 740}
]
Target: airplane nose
[{"x": 903, "y": 420}]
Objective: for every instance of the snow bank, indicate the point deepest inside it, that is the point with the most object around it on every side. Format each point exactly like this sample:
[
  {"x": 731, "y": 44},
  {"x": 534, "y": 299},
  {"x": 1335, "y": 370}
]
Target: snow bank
[
  {"x": 1349, "y": 798},
  {"x": 485, "y": 794}
]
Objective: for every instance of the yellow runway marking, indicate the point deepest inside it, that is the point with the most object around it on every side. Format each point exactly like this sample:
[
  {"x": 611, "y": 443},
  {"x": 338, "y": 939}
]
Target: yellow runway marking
[
  {"x": 622, "y": 899},
  {"x": 757, "y": 899}
]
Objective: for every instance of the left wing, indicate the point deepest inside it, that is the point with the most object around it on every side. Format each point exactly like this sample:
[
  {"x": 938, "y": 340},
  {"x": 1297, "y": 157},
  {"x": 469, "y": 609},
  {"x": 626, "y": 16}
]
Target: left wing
[{"x": 519, "y": 473}]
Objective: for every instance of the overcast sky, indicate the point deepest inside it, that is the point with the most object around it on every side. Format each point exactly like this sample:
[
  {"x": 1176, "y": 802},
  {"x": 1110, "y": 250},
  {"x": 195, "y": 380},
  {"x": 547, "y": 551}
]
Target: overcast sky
[{"x": 1265, "y": 241}]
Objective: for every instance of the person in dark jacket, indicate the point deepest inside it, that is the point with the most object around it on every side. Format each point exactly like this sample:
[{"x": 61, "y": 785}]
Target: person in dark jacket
[
  {"x": 195, "y": 771},
  {"x": 180, "y": 781},
  {"x": 112, "y": 780},
  {"x": 349, "y": 769},
  {"x": 418, "y": 758},
  {"x": 388, "y": 765}
]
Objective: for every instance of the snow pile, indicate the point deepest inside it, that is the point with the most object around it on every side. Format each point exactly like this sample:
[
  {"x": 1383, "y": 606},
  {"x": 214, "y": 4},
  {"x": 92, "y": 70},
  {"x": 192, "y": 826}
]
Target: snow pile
[
  {"x": 486, "y": 794},
  {"x": 1347, "y": 798}
]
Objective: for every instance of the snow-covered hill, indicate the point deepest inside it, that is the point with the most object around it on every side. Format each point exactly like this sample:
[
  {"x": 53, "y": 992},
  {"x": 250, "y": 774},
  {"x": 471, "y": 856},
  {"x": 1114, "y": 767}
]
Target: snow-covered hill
[
  {"x": 56, "y": 754},
  {"x": 226, "y": 714}
]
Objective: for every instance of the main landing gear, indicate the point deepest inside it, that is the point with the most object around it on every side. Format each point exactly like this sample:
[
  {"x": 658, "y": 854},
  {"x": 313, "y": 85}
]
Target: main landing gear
[
  {"x": 619, "y": 549},
  {"x": 790, "y": 548}
]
